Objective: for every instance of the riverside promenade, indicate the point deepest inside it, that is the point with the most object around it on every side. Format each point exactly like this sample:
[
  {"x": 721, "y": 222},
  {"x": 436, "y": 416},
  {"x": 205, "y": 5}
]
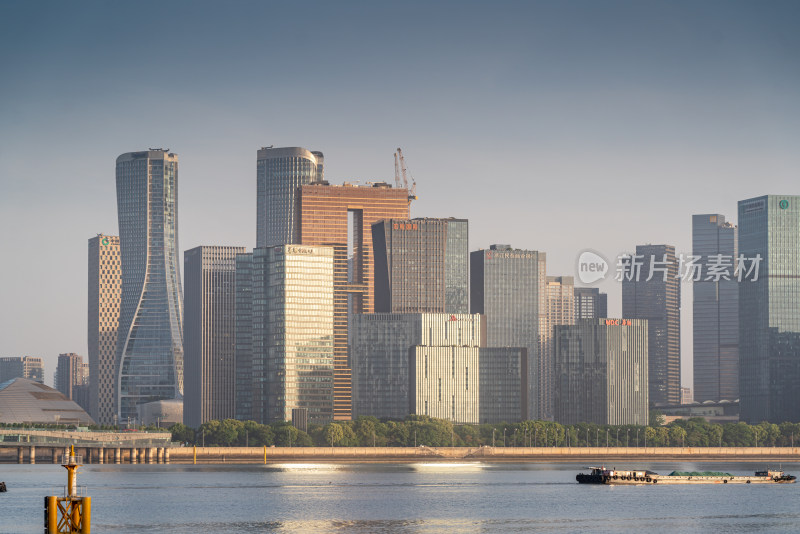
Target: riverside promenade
[{"x": 28, "y": 453}]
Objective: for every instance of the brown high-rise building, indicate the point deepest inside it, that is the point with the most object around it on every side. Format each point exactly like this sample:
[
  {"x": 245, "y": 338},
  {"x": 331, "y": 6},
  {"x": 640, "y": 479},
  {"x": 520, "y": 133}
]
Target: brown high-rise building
[
  {"x": 105, "y": 291},
  {"x": 342, "y": 216}
]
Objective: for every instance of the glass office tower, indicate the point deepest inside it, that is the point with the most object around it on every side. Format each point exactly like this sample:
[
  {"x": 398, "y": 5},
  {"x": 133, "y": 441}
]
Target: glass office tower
[
  {"x": 769, "y": 309},
  {"x": 421, "y": 265},
  {"x": 209, "y": 333},
  {"x": 508, "y": 287},
  {"x": 150, "y": 344},
  {"x": 659, "y": 301},
  {"x": 601, "y": 372},
  {"x": 590, "y": 303},
  {"x": 715, "y": 311},
  {"x": 284, "y": 299},
  {"x": 279, "y": 174}
]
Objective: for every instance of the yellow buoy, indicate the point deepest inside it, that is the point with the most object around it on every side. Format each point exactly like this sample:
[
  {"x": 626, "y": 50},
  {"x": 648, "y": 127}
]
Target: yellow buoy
[{"x": 70, "y": 514}]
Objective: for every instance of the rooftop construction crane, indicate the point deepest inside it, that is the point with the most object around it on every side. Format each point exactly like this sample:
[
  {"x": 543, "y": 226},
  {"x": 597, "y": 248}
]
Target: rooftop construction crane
[{"x": 412, "y": 193}]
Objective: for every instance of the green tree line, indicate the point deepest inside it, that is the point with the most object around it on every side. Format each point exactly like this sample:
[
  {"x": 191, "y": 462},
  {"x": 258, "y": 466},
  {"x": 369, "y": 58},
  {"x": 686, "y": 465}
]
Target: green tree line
[{"x": 417, "y": 430}]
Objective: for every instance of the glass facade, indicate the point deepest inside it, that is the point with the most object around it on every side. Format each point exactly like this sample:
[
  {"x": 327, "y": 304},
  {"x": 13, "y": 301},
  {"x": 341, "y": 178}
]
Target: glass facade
[
  {"x": 769, "y": 309},
  {"x": 659, "y": 301},
  {"x": 508, "y": 288},
  {"x": 715, "y": 312},
  {"x": 560, "y": 311},
  {"x": 279, "y": 174},
  {"x": 28, "y": 367},
  {"x": 150, "y": 344},
  {"x": 245, "y": 378},
  {"x": 421, "y": 266},
  {"x": 601, "y": 372},
  {"x": 290, "y": 353},
  {"x": 590, "y": 303},
  {"x": 379, "y": 354},
  {"x": 209, "y": 333},
  {"x": 469, "y": 385}
]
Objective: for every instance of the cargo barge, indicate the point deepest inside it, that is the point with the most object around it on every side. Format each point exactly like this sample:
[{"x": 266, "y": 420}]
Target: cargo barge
[{"x": 614, "y": 477}]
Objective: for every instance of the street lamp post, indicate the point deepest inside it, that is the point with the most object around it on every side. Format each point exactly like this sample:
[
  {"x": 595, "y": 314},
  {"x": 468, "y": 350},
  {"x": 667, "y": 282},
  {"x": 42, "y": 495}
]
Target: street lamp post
[
  {"x": 415, "y": 437},
  {"x": 536, "y": 437},
  {"x": 597, "y": 437},
  {"x": 493, "y": 430},
  {"x": 504, "y": 437},
  {"x": 637, "y": 437},
  {"x": 617, "y": 444},
  {"x": 607, "y": 438},
  {"x": 627, "y": 437}
]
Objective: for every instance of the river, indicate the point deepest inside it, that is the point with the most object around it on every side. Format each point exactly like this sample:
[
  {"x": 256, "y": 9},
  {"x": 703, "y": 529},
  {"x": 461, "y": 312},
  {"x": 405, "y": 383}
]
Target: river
[{"x": 408, "y": 497}]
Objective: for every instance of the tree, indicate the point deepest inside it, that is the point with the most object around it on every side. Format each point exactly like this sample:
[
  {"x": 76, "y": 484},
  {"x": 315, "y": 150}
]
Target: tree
[
  {"x": 255, "y": 435},
  {"x": 366, "y": 431},
  {"x": 227, "y": 432},
  {"x": 333, "y": 433},
  {"x": 656, "y": 418},
  {"x": 182, "y": 433},
  {"x": 677, "y": 436},
  {"x": 285, "y": 434}
]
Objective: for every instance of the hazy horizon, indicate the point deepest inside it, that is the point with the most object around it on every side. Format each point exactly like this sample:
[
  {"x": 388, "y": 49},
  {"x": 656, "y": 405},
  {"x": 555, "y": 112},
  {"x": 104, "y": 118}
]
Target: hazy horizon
[{"x": 551, "y": 126}]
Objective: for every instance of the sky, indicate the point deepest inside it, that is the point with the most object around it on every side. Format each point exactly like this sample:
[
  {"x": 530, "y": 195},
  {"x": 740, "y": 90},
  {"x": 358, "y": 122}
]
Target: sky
[{"x": 554, "y": 126}]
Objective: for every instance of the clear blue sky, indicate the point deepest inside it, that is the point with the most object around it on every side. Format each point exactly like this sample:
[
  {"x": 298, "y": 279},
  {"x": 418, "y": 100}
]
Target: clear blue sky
[{"x": 555, "y": 126}]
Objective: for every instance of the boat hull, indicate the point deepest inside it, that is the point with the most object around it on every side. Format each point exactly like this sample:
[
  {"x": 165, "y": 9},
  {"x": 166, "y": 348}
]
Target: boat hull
[{"x": 643, "y": 478}]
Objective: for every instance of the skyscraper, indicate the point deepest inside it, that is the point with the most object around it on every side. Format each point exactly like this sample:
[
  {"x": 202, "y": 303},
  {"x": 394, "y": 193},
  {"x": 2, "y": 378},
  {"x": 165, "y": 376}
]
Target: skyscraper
[
  {"x": 286, "y": 359},
  {"x": 105, "y": 290},
  {"x": 72, "y": 378},
  {"x": 769, "y": 309},
  {"x": 601, "y": 372},
  {"x": 560, "y": 311},
  {"x": 590, "y": 303},
  {"x": 342, "y": 216},
  {"x": 715, "y": 310},
  {"x": 279, "y": 174},
  {"x": 28, "y": 367},
  {"x": 150, "y": 345},
  {"x": 507, "y": 286},
  {"x": 209, "y": 333},
  {"x": 651, "y": 290},
  {"x": 421, "y": 265}
]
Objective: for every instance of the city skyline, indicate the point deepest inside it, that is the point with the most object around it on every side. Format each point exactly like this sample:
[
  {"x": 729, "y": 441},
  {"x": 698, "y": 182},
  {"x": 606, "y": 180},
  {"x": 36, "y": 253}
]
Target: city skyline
[{"x": 592, "y": 97}]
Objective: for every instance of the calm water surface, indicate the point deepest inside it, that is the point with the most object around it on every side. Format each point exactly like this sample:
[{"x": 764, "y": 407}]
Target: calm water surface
[{"x": 416, "y": 497}]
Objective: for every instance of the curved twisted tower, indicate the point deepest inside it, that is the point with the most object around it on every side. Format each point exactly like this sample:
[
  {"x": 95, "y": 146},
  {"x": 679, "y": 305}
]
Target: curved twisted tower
[{"x": 150, "y": 344}]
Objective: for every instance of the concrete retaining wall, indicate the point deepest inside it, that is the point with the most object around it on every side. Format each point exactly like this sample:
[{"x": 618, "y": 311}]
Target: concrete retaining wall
[{"x": 23, "y": 453}]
